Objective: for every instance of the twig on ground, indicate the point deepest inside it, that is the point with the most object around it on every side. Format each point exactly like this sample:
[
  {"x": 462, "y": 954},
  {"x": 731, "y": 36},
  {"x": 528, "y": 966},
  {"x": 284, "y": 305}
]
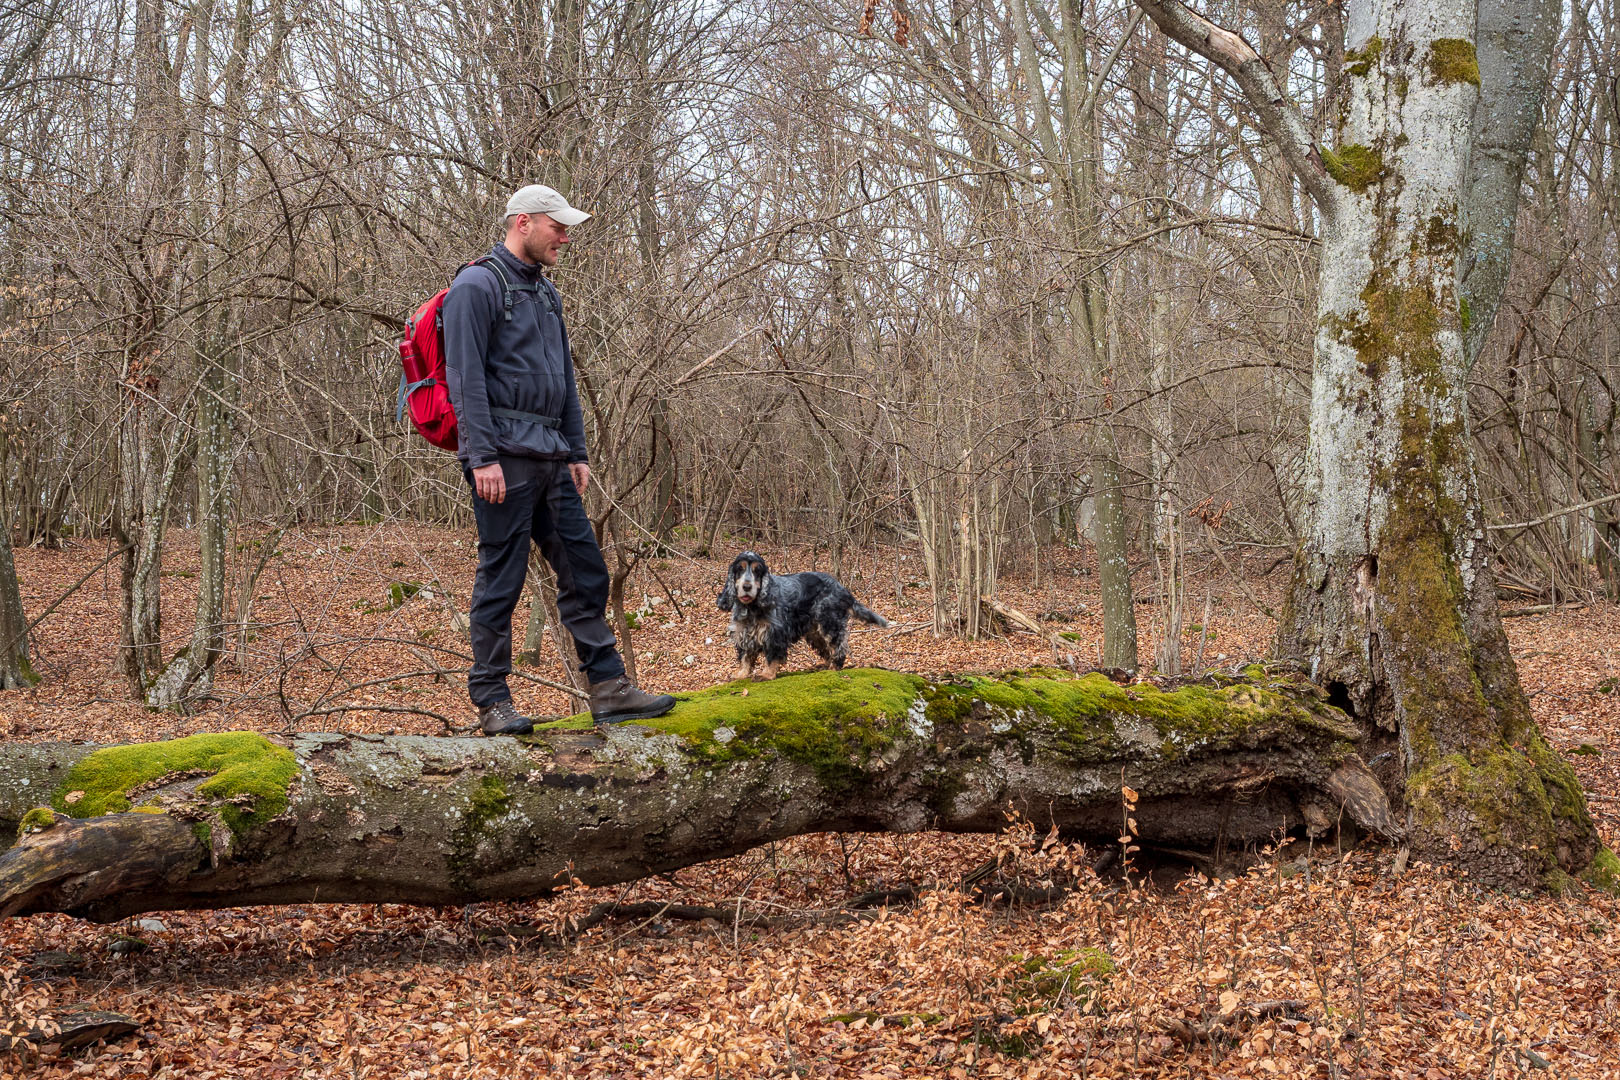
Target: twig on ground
[
  {"x": 904, "y": 894},
  {"x": 1541, "y": 609},
  {"x": 649, "y": 911},
  {"x": 1191, "y": 1033},
  {"x": 1017, "y": 895},
  {"x": 449, "y": 725}
]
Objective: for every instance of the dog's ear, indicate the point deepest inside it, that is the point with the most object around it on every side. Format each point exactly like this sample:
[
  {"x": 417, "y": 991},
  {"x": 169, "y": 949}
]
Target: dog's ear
[{"x": 728, "y": 595}]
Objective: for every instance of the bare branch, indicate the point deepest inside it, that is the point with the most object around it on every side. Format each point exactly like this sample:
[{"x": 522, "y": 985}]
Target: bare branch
[{"x": 1279, "y": 117}]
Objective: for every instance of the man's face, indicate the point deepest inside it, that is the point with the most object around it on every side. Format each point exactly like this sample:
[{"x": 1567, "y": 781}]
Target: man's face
[{"x": 544, "y": 239}]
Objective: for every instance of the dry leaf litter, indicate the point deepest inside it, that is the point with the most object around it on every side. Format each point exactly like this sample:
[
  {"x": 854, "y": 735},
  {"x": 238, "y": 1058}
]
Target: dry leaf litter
[{"x": 1317, "y": 963}]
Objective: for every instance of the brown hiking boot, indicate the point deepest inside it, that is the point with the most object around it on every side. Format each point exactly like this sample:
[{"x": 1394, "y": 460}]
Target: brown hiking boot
[
  {"x": 613, "y": 701},
  {"x": 502, "y": 718}
]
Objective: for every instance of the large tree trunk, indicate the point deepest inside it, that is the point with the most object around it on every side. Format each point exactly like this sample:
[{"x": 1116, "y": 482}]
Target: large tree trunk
[
  {"x": 339, "y": 818},
  {"x": 1515, "y": 39},
  {"x": 1393, "y": 602},
  {"x": 1155, "y": 262},
  {"x": 139, "y": 522},
  {"x": 189, "y": 674}
]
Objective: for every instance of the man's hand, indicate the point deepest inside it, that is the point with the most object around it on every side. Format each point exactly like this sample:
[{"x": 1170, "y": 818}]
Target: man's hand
[
  {"x": 490, "y": 483},
  {"x": 581, "y": 473}
]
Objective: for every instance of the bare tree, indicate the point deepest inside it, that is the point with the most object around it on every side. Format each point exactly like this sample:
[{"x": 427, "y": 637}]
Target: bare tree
[
  {"x": 15, "y": 669},
  {"x": 1393, "y": 602}
]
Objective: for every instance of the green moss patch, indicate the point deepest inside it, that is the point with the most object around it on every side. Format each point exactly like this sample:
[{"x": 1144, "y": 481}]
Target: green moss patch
[
  {"x": 1604, "y": 872},
  {"x": 1564, "y": 795},
  {"x": 1360, "y": 62},
  {"x": 1070, "y": 975},
  {"x": 1506, "y": 797},
  {"x": 831, "y": 720},
  {"x": 25, "y": 674},
  {"x": 401, "y": 591},
  {"x": 1086, "y": 713},
  {"x": 1356, "y": 167},
  {"x": 36, "y": 820},
  {"x": 488, "y": 801},
  {"x": 1454, "y": 780},
  {"x": 1399, "y": 326},
  {"x": 1441, "y": 235},
  {"x": 1453, "y": 60},
  {"x": 246, "y": 773},
  {"x": 837, "y": 722}
]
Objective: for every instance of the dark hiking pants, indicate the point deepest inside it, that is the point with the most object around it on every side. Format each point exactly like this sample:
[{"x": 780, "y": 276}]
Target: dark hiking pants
[{"x": 542, "y": 505}]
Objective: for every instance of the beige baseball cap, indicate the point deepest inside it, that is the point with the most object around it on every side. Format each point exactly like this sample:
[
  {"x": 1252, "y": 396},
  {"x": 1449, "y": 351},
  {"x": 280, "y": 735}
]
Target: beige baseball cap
[{"x": 539, "y": 199}]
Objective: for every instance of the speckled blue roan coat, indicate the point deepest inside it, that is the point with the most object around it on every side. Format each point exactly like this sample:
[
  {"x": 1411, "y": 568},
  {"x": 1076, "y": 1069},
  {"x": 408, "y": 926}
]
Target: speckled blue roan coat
[{"x": 769, "y": 612}]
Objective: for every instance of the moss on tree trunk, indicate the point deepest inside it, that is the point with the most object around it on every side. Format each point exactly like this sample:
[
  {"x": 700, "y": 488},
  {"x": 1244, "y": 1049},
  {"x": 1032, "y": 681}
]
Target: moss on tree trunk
[
  {"x": 1393, "y": 603},
  {"x": 225, "y": 820}
]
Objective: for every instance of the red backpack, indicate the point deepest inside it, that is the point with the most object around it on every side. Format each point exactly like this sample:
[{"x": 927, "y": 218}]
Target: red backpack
[{"x": 422, "y": 387}]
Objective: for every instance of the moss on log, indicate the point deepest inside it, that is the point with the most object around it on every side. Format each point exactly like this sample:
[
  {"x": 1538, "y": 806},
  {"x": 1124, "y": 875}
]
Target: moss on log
[
  {"x": 333, "y": 817},
  {"x": 242, "y": 772}
]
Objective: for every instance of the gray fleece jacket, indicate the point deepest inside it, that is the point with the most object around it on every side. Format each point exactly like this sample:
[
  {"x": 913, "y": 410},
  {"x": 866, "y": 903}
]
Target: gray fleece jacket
[{"x": 522, "y": 364}]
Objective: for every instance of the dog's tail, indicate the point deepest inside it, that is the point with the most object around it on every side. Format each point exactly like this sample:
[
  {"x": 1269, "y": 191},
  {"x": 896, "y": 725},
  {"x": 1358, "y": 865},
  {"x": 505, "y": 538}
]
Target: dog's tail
[{"x": 866, "y": 614}]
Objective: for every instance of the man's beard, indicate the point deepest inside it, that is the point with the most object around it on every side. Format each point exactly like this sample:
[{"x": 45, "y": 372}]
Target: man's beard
[{"x": 535, "y": 250}]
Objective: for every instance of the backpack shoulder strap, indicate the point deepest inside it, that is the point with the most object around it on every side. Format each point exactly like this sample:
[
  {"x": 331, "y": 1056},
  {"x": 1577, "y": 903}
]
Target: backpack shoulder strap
[
  {"x": 507, "y": 288},
  {"x": 549, "y": 292}
]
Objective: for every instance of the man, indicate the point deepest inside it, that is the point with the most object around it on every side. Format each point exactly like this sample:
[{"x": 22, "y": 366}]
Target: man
[{"x": 522, "y": 449}]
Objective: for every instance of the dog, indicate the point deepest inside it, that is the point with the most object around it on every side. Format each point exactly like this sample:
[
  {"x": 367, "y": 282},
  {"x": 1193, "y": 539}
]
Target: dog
[{"x": 769, "y": 612}]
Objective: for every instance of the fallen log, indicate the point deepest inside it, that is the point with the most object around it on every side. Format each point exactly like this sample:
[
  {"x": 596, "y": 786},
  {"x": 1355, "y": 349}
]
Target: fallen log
[{"x": 240, "y": 818}]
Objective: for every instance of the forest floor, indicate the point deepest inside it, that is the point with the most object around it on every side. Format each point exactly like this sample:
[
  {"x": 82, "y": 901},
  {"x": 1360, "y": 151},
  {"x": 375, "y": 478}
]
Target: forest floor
[{"x": 1316, "y": 963}]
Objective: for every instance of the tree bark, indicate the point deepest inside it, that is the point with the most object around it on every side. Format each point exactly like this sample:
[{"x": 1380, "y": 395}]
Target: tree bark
[
  {"x": 236, "y": 819},
  {"x": 1155, "y": 266},
  {"x": 1068, "y": 142},
  {"x": 189, "y": 674},
  {"x": 1393, "y": 600},
  {"x": 15, "y": 669},
  {"x": 1393, "y": 603},
  {"x": 148, "y": 460},
  {"x": 1515, "y": 42}
]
